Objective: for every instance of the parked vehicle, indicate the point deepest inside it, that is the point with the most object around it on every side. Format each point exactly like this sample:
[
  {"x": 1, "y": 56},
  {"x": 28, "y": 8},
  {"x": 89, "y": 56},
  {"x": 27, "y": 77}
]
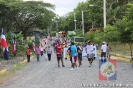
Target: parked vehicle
[
  {"x": 71, "y": 35},
  {"x": 78, "y": 40}
]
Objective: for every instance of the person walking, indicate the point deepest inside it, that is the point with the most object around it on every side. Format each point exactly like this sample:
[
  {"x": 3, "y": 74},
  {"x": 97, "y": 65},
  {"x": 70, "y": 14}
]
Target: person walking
[
  {"x": 59, "y": 52},
  {"x": 79, "y": 49},
  {"x": 69, "y": 53},
  {"x": 38, "y": 51},
  {"x": 94, "y": 51},
  {"x": 45, "y": 54},
  {"x": 74, "y": 54},
  {"x": 89, "y": 51},
  {"x": 109, "y": 50},
  {"x": 49, "y": 53},
  {"x": 103, "y": 52},
  {"x": 65, "y": 52},
  {"x": 28, "y": 52},
  {"x": 41, "y": 48}
]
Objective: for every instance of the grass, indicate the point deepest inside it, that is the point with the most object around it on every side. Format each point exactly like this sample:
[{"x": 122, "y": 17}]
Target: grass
[
  {"x": 10, "y": 72},
  {"x": 121, "y": 49}
]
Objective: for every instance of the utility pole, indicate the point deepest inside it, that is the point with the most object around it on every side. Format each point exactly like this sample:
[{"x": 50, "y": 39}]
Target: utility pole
[
  {"x": 104, "y": 12},
  {"x": 82, "y": 22}
]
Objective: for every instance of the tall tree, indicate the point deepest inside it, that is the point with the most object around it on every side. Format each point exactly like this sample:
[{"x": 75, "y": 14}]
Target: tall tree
[{"x": 27, "y": 15}]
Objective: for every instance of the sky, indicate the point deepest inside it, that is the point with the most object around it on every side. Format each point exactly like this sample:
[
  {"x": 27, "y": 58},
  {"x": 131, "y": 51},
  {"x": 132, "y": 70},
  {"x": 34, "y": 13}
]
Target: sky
[{"x": 62, "y": 7}]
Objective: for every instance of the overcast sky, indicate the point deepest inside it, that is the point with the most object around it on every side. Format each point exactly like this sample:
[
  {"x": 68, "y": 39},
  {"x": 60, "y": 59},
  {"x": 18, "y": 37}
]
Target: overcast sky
[{"x": 62, "y": 7}]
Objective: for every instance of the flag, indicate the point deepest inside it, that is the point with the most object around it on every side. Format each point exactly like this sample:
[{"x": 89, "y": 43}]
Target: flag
[
  {"x": 4, "y": 45},
  {"x": 107, "y": 70},
  {"x": 14, "y": 46}
]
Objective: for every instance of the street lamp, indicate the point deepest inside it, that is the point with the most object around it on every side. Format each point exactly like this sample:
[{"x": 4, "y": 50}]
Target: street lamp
[{"x": 104, "y": 11}]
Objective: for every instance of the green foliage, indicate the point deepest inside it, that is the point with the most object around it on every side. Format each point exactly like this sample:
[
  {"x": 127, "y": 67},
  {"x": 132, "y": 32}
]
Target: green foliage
[
  {"x": 79, "y": 32},
  {"x": 26, "y": 15},
  {"x": 89, "y": 36},
  {"x": 53, "y": 33},
  {"x": 94, "y": 36},
  {"x": 99, "y": 37},
  {"x": 37, "y": 42},
  {"x": 111, "y": 34}
]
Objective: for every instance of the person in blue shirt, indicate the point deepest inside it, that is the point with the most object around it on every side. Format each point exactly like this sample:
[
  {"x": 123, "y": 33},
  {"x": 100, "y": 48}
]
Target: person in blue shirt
[{"x": 74, "y": 54}]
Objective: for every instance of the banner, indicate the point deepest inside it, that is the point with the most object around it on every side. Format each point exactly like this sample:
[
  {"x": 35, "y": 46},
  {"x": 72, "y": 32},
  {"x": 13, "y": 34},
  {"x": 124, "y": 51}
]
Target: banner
[{"x": 107, "y": 70}]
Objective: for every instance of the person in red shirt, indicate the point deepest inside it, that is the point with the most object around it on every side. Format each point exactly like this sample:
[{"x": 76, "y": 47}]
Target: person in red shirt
[{"x": 59, "y": 51}]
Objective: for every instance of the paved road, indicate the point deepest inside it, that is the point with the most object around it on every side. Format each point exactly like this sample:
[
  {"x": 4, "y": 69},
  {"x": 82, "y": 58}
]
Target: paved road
[{"x": 46, "y": 74}]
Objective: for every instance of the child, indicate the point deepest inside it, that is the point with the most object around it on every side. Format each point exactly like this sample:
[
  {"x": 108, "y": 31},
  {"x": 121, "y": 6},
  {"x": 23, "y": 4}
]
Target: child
[
  {"x": 66, "y": 55},
  {"x": 44, "y": 54}
]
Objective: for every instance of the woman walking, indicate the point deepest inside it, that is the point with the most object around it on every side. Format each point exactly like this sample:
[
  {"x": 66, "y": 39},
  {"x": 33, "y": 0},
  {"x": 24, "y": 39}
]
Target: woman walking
[
  {"x": 45, "y": 54},
  {"x": 49, "y": 53},
  {"x": 38, "y": 51},
  {"x": 41, "y": 48}
]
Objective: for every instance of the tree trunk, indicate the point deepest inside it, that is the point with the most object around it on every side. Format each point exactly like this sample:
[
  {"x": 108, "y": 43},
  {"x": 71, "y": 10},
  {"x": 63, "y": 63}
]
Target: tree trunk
[{"x": 24, "y": 34}]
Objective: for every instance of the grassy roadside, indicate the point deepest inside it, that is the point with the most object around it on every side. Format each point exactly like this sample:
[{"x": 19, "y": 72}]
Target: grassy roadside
[
  {"x": 10, "y": 72},
  {"x": 120, "y": 51}
]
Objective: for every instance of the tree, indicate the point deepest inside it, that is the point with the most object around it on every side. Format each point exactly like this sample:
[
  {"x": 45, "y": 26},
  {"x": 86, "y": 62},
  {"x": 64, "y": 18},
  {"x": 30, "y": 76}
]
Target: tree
[
  {"x": 125, "y": 27},
  {"x": 30, "y": 14}
]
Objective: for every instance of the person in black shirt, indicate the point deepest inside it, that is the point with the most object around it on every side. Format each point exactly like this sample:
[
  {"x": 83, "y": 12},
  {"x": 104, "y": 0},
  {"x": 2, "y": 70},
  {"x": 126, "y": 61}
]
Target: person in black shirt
[{"x": 79, "y": 50}]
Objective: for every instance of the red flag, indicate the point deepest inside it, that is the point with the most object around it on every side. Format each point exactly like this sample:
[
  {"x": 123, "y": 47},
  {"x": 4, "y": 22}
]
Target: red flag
[{"x": 3, "y": 41}]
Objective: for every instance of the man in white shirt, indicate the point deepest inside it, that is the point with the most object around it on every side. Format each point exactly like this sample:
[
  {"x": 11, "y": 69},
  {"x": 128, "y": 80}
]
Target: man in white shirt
[
  {"x": 103, "y": 52},
  {"x": 89, "y": 51}
]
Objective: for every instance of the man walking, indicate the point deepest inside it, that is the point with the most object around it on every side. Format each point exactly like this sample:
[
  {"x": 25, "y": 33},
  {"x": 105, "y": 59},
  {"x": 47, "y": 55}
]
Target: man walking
[
  {"x": 73, "y": 50},
  {"x": 89, "y": 51},
  {"x": 59, "y": 52},
  {"x": 103, "y": 52}
]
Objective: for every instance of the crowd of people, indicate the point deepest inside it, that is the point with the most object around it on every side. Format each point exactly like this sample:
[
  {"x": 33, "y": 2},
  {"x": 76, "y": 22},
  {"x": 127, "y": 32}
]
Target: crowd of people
[{"x": 65, "y": 49}]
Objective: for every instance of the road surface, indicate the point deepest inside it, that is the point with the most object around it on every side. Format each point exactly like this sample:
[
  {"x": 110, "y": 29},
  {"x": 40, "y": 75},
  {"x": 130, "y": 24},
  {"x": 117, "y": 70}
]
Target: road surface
[{"x": 46, "y": 74}]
